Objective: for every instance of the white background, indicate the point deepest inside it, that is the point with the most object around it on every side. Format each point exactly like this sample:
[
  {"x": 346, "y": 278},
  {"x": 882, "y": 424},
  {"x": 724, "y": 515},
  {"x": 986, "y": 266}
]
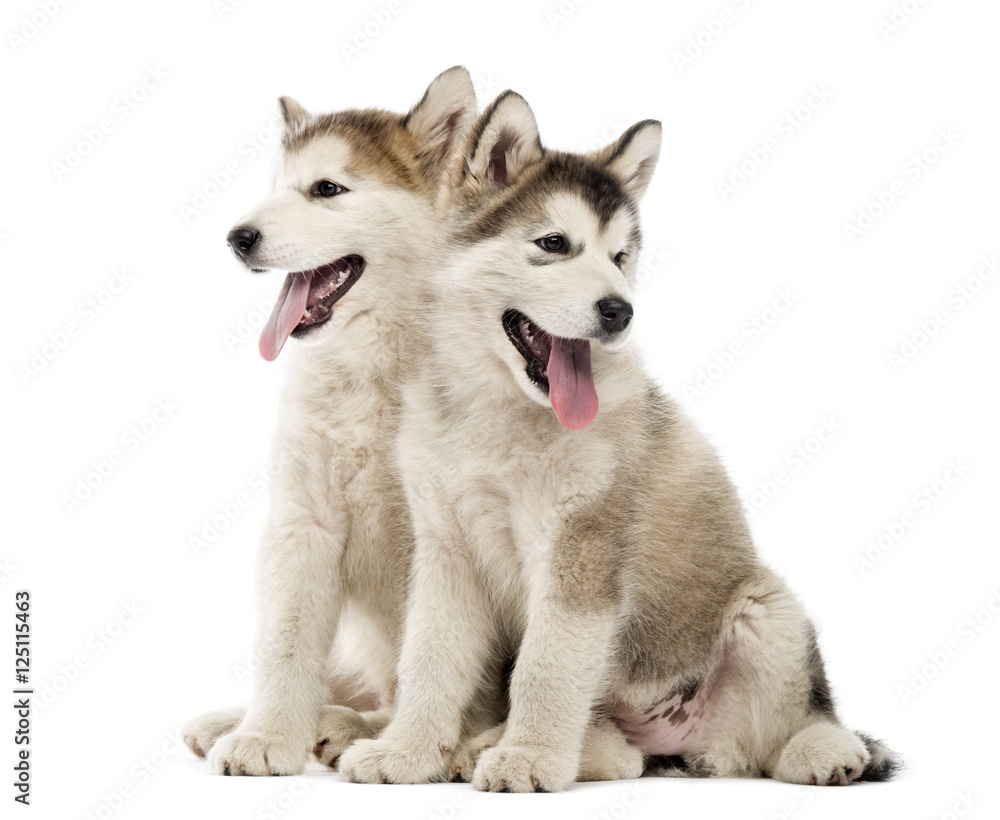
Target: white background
[{"x": 117, "y": 692}]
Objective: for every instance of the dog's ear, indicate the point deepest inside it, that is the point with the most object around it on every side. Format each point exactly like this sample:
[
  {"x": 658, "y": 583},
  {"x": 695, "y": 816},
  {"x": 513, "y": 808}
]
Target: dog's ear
[
  {"x": 503, "y": 142},
  {"x": 633, "y": 157},
  {"x": 292, "y": 113},
  {"x": 442, "y": 117}
]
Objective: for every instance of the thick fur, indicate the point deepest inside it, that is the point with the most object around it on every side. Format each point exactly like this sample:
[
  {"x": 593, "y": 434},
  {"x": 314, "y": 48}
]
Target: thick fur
[
  {"x": 614, "y": 562},
  {"x": 334, "y": 561}
]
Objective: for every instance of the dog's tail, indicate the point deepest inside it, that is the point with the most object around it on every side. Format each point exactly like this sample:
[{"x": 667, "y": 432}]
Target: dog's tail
[{"x": 885, "y": 763}]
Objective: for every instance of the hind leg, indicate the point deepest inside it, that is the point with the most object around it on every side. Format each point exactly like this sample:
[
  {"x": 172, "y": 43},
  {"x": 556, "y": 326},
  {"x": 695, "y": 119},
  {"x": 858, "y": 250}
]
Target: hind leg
[
  {"x": 822, "y": 754},
  {"x": 775, "y": 714},
  {"x": 201, "y": 732}
]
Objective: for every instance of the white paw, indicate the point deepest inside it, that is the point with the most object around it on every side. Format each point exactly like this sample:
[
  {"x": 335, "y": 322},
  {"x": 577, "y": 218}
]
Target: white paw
[
  {"x": 822, "y": 755},
  {"x": 508, "y": 768},
  {"x": 607, "y": 755},
  {"x": 339, "y": 727},
  {"x": 201, "y": 733},
  {"x": 246, "y": 753},
  {"x": 385, "y": 761},
  {"x": 463, "y": 762}
]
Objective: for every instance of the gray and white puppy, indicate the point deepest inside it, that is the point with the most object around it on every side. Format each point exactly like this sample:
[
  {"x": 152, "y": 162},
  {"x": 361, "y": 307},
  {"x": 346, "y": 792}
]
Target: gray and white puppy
[{"x": 568, "y": 514}]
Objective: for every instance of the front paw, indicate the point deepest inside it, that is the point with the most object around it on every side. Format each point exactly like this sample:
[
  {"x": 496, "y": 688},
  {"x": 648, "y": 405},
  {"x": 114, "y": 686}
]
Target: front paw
[
  {"x": 522, "y": 769},
  {"x": 385, "y": 761},
  {"x": 339, "y": 727},
  {"x": 254, "y": 754},
  {"x": 201, "y": 733}
]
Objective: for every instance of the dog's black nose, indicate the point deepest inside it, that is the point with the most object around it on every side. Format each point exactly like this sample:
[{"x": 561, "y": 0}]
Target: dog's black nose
[
  {"x": 615, "y": 315},
  {"x": 242, "y": 240}
]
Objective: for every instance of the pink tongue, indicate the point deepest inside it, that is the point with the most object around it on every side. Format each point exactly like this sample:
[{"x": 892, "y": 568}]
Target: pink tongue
[
  {"x": 571, "y": 383},
  {"x": 286, "y": 315}
]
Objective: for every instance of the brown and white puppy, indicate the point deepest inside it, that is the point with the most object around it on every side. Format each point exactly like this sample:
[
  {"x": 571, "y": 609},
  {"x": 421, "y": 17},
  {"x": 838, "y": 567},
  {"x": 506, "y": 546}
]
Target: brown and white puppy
[
  {"x": 568, "y": 514},
  {"x": 349, "y": 221}
]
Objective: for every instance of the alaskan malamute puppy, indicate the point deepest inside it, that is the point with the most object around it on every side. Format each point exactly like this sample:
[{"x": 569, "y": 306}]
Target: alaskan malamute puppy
[
  {"x": 568, "y": 514},
  {"x": 350, "y": 222}
]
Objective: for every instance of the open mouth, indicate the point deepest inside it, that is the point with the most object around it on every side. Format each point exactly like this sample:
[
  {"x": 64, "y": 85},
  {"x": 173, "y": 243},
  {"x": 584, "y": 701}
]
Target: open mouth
[
  {"x": 559, "y": 367},
  {"x": 306, "y": 301}
]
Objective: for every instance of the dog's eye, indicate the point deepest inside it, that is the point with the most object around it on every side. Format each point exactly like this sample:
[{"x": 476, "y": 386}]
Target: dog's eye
[
  {"x": 326, "y": 188},
  {"x": 619, "y": 258},
  {"x": 553, "y": 243}
]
